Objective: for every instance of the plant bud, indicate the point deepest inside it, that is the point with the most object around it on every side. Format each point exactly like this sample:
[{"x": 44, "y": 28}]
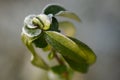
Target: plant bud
[{"x": 45, "y": 20}]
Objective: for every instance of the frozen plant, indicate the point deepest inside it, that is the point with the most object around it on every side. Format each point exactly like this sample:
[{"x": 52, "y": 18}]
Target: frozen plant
[{"x": 46, "y": 32}]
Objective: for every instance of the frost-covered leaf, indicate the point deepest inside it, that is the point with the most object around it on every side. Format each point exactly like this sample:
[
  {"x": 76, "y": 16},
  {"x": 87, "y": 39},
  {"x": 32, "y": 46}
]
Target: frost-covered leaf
[
  {"x": 28, "y": 21},
  {"x": 36, "y": 60},
  {"x": 31, "y": 32},
  {"x": 68, "y": 14},
  {"x": 45, "y": 20},
  {"x": 52, "y": 9}
]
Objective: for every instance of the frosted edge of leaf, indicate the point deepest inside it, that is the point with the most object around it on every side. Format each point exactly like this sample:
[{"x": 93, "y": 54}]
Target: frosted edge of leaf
[
  {"x": 52, "y": 9},
  {"x": 31, "y": 32},
  {"x": 28, "y": 21}
]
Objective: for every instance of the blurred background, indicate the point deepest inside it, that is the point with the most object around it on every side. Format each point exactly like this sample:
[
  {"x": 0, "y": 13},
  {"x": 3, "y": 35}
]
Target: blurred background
[{"x": 100, "y": 29}]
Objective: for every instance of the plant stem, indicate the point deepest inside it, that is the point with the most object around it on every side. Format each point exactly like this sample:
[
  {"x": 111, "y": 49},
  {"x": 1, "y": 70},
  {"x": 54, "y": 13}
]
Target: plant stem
[
  {"x": 58, "y": 59},
  {"x": 65, "y": 74}
]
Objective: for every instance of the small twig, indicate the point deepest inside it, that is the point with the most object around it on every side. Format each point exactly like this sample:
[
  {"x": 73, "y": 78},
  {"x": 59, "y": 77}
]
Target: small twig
[
  {"x": 57, "y": 57},
  {"x": 65, "y": 74}
]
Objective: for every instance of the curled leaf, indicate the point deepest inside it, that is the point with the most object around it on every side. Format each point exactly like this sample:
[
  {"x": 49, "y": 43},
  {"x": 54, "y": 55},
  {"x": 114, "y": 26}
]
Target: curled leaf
[
  {"x": 45, "y": 20},
  {"x": 31, "y": 32},
  {"x": 29, "y": 28},
  {"x": 36, "y": 60},
  {"x": 28, "y": 21},
  {"x": 68, "y": 14}
]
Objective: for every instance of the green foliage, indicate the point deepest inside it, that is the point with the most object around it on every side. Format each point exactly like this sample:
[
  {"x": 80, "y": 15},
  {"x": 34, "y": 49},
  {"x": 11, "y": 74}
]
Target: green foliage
[
  {"x": 53, "y": 9},
  {"x": 40, "y": 42},
  {"x": 51, "y": 55},
  {"x": 36, "y": 60},
  {"x": 77, "y": 65},
  {"x": 90, "y": 56},
  {"x": 59, "y": 69},
  {"x": 64, "y": 45},
  {"x": 75, "y": 52},
  {"x": 46, "y": 32},
  {"x": 54, "y": 25}
]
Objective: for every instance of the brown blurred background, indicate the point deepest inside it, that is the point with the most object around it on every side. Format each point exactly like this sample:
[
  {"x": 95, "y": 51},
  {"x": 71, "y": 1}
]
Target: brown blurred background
[{"x": 100, "y": 29}]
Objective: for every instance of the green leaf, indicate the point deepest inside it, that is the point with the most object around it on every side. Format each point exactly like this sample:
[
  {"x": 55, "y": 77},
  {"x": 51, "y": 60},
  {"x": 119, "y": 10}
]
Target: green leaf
[
  {"x": 68, "y": 14},
  {"x": 90, "y": 55},
  {"x": 40, "y": 42},
  {"x": 67, "y": 28},
  {"x": 59, "y": 69},
  {"x": 81, "y": 66},
  {"x": 61, "y": 72},
  {"x": 47, "y": 48},
  {"x": 51, "y": 55},
  {"x": 36, "y": 60},
  {"x": 64, "y": 45},
  {"x": 54, "y": 25},
  {"x": 69, "y": 49},
  {"x": 52, "y": 9}
]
